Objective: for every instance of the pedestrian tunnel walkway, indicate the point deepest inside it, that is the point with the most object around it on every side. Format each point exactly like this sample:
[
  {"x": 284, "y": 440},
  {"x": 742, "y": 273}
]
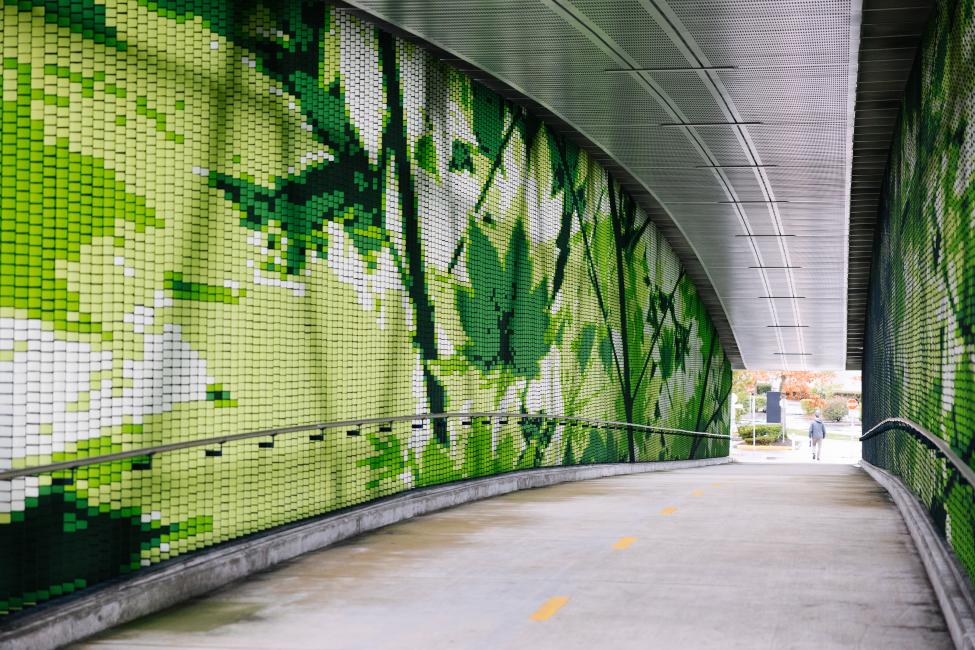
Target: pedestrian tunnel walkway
[
  {"x": 730, "y": 556},
  {"x": 333, "y": 283}
]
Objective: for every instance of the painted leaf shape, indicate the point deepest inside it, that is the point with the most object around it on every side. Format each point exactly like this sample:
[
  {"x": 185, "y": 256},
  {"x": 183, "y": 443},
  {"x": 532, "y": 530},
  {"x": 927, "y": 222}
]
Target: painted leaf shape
[
  {"x": 502, "y": 313},
  {"x": 488, "y": 109},
  {"x": 425, "y": 154},
  {"x": 584, "y": 344},
  {"x": 388, "y": 462},
  {"x": 480, "y": 306},
  {"x": 528, "y": 307},
  {"x": 461, "y": 157}
]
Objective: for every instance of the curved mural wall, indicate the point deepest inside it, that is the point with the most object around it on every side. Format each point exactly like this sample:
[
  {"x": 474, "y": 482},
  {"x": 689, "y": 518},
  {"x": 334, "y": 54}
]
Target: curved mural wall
[
  {"x": 222, "y": 217},
  {"x": 920, "y": 341}
]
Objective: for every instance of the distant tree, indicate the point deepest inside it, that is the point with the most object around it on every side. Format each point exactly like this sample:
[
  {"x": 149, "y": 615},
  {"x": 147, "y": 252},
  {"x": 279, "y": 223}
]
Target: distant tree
[
  {"x": 824, "y": 385},
  {"x": 745, "y": 382},
  {"x": 805, "y": 384},
  {"x": 794, "y": 384},
  {"x": 835, "y": 410}
]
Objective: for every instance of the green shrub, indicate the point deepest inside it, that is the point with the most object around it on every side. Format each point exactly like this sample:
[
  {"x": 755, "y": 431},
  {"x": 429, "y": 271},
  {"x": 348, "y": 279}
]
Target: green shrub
[
  {"x": 761, "y": 389},
  {"x": 760, "y": 441},
  {"x": 765, "y": 434},
  {"x": 835, "y": 410}
]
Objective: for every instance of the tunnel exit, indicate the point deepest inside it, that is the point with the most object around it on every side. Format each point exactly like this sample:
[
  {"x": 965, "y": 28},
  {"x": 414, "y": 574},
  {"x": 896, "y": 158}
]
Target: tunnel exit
[{"x": 778, "y": 416}]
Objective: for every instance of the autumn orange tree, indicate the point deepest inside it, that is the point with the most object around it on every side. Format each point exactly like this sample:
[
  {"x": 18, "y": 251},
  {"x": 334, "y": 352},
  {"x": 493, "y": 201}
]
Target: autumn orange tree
[
  {"x": 795, "y": 384},
  {"x": 808, "y": 385},
  {"x": 745, "y": 382}
]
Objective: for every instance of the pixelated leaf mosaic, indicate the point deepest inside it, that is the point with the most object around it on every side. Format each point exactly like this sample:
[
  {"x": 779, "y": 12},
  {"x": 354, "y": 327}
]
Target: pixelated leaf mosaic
[
  {"x": 919, "y": 349},
  {"x": 221, "y": 217}
]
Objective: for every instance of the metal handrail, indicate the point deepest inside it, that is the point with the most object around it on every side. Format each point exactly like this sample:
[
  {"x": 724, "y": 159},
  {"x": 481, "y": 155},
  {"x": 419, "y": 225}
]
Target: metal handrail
[
  {"x": 913, "y": 427},
  {"x": 219, "y": 440}
]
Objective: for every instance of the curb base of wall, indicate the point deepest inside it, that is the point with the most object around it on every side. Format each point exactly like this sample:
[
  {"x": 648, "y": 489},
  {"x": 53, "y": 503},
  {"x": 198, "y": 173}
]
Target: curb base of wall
[
  {"x": 184, "y": 578},
  {"x": 946, "y": 576}
]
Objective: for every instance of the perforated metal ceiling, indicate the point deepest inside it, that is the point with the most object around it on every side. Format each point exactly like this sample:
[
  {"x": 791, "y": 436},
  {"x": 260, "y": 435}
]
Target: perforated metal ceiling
[{"x": 740, "y": 198}]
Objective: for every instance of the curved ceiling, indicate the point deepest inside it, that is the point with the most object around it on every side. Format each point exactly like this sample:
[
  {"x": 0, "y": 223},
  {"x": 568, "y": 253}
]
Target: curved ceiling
[{"x": 736, "y": 115}]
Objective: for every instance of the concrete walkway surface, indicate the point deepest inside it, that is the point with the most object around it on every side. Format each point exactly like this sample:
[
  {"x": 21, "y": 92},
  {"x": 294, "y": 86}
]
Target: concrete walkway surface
[
  {"x": 733, "y": 556},
  {"x": 835, "y": 450}
]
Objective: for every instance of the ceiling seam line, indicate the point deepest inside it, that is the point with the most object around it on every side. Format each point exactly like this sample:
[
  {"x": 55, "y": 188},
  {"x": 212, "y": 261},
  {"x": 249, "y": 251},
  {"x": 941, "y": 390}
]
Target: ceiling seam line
[
  {"x": 732, "y": 112},
  {"x": 655, "y": 13},
  {"x": 701, "y": 60},
  {"x": 615, "y": 51}
]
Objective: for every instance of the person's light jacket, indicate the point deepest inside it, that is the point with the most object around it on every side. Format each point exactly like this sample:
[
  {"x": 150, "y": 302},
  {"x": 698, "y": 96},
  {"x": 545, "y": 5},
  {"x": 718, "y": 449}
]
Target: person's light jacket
[{"x": 817, "y": 429}]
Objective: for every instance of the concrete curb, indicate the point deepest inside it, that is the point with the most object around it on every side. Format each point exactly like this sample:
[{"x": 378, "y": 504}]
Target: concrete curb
[
  {"x": 183, "y": 578},
  {"x": 946, "y": 575}
]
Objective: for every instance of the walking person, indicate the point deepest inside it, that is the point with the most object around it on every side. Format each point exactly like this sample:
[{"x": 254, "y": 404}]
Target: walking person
[{"x": 817, "y": 432}]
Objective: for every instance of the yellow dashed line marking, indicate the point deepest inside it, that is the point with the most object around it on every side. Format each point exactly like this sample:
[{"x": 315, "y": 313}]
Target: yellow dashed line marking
[
  {"x": 668, "y": 511},
  {"x": 697, "y": 493},
  {"x": 624, "y": 543},
  {"x": 551, "y": 606}
]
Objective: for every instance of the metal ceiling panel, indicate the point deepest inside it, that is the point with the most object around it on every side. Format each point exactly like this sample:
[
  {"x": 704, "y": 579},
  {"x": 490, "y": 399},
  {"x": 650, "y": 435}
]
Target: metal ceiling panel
[
  {"x": 633, "y": 29},
  {"x": 763, "y": 91}
]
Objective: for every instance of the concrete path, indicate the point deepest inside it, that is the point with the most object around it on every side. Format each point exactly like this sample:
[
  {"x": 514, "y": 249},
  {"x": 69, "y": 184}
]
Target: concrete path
[
  {"x": 835, "y": 450},
  {"x": 734, "y": 556}
]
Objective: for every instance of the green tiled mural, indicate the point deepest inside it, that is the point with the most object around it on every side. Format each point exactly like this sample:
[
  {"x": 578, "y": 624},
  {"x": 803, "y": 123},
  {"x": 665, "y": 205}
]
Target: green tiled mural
[
  {"x": 221, "y": 217},
  {"x": 920, "y": 345}
]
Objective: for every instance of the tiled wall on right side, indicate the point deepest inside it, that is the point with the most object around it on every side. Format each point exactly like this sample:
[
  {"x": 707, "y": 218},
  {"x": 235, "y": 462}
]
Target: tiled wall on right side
[{"x": 920, "y": 336}]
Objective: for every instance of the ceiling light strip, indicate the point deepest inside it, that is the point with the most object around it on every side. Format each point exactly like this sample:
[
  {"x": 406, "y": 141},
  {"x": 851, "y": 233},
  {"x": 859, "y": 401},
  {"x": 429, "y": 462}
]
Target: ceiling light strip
[
  {"x": 674, "y": 69},
  {"x": 695, "y": 124}
]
